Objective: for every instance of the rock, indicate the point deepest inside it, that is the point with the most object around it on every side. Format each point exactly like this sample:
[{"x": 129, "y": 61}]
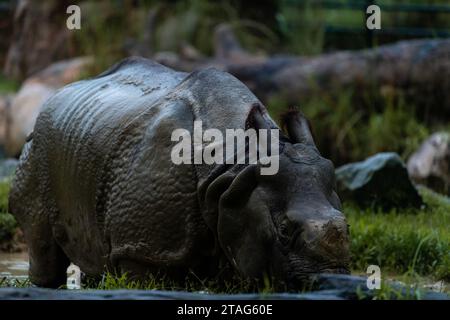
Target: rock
[
  {"x": 7, "y": 168},
  {"x": 430, "y": 164},
  {"x": 330, "y": 287},
  {"x": 24, "y": 110},
  {"x": 381, "y": 181},
  {"x": 26, "y": 105}
]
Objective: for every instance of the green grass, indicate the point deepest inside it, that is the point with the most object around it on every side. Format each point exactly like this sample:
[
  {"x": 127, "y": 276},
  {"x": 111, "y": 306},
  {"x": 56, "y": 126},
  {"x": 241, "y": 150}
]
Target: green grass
[
  {"x": 8, "y": 224},
  {"x": 403, "y": 242},
  {"x": 7, "y": 86},
  {"x": 14, "y": 283},
  {"x": 192, "y": 283}
]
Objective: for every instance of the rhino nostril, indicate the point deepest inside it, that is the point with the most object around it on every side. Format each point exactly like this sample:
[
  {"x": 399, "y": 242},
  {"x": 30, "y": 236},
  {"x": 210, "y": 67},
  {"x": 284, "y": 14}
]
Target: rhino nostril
[
  {"x": 334, "y": 234},
  {"x": 329, "y": 234}
]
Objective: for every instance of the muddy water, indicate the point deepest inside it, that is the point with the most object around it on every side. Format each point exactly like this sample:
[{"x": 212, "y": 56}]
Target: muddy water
[{"x": 14, "y": 265}]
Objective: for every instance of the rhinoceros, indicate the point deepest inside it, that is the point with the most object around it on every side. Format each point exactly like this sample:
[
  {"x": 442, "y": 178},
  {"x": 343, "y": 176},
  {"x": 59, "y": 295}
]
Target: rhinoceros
[{"x": 96, "y": 185}]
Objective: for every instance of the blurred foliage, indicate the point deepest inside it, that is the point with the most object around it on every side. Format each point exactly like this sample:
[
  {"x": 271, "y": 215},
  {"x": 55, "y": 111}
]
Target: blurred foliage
[
  {"x": 302, "y": 27},
  {"x": 4, "y": 191},
  {"x": 292, "y": 26},
  {"x": 123, "y": 27},
  {"x": 7, "y": 85},
  {"x": 303, "y": 24},
  {"x": 345, "y": 132},
  {"x": 8, "y": 224}
]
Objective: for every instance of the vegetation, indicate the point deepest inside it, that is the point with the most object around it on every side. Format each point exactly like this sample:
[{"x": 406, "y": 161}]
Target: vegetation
[
  {"x": 292, "y": 26},
  {"x": 191, "y": 283},
  {"x": 8, "y": 224},
  {"x": 303, "y": 24},
  {"x": 414, "y": 242},
  {"x": 7, "y": 86},
  {"x": 346, "y": 132}
]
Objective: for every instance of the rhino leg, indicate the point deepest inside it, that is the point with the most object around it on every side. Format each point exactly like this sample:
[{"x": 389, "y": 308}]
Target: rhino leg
[{"x": 48, "y": 263}]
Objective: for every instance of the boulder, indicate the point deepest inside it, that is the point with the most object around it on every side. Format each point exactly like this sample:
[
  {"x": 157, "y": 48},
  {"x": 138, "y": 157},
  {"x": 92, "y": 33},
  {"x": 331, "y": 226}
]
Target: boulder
[
  {"x": 430, "y": 164},
  {"x": 380, "y": 181},
  {"x": 26, "y": 104},
  {"x": 23, "y": 112}
]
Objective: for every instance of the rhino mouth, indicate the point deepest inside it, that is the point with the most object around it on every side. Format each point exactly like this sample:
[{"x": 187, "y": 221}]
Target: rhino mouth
[
  {"x": 302, "y": 274},
  {"x": 306, "y": 275},
  {"x": 337, "y": 270}
]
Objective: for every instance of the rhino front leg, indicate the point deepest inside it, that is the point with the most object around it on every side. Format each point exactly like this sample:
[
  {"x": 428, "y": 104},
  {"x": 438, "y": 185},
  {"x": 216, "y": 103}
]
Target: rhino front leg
[{"x": 48, "y": 263}]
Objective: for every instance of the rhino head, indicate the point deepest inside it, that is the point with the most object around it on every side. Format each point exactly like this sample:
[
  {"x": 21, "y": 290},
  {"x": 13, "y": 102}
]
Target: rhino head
[{"x": 286, "y": 226}]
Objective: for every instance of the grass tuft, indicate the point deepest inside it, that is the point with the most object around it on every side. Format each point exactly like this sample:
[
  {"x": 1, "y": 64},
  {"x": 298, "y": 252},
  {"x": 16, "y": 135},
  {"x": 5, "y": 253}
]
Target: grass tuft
[
  {"x": 415, "y": 242},
  {"x": 8, "y": 224}
]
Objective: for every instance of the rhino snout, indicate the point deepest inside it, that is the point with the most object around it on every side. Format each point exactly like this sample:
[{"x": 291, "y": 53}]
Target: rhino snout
[
  {"x": 325, "y": 241},
  {"x": 330, "y": 236}
]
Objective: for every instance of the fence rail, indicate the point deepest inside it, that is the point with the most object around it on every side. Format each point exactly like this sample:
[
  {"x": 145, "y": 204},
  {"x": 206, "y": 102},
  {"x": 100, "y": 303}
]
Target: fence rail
[{"x": 361, "y": 5}]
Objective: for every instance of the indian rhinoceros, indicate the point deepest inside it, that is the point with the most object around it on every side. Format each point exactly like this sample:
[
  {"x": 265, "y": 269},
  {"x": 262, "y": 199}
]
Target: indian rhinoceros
[{"x": 96, "y": 185}]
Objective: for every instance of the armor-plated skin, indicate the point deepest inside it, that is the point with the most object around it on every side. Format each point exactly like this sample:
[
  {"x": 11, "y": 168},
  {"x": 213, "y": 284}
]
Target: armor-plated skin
[{"x": 96, "y": 185}]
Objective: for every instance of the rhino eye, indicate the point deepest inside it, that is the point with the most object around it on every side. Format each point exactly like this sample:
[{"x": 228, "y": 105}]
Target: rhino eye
[{"x": 285, "y": 231}]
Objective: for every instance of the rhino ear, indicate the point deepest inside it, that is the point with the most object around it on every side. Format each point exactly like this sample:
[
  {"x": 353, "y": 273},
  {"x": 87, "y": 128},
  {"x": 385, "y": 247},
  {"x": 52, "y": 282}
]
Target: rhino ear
[
  {"x": 258, "y": 119},
  {"x": 297, "y": 126}
]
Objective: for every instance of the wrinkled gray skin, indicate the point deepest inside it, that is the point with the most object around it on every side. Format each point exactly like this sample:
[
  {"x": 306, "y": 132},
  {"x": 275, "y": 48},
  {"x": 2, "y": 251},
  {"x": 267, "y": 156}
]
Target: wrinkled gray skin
[{"x": 96, "y": 185}]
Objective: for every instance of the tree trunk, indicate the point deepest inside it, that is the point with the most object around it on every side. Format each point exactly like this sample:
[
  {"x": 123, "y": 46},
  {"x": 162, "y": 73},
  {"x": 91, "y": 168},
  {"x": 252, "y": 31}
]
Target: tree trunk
[{"x": 40, "y": 37}]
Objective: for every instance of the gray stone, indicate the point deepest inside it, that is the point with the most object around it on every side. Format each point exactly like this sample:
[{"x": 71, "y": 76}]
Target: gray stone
[
  {"x": 381, "y": 181},
  {"x": 430, "y": 164},
  {"x": 25, "y": 106}
]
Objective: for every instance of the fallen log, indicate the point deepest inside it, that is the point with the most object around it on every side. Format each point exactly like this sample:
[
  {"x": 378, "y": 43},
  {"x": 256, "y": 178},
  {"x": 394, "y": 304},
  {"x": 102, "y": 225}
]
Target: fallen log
[
  {"x": 39, "y": 38},
  {"x": 416, "y": 70}
]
